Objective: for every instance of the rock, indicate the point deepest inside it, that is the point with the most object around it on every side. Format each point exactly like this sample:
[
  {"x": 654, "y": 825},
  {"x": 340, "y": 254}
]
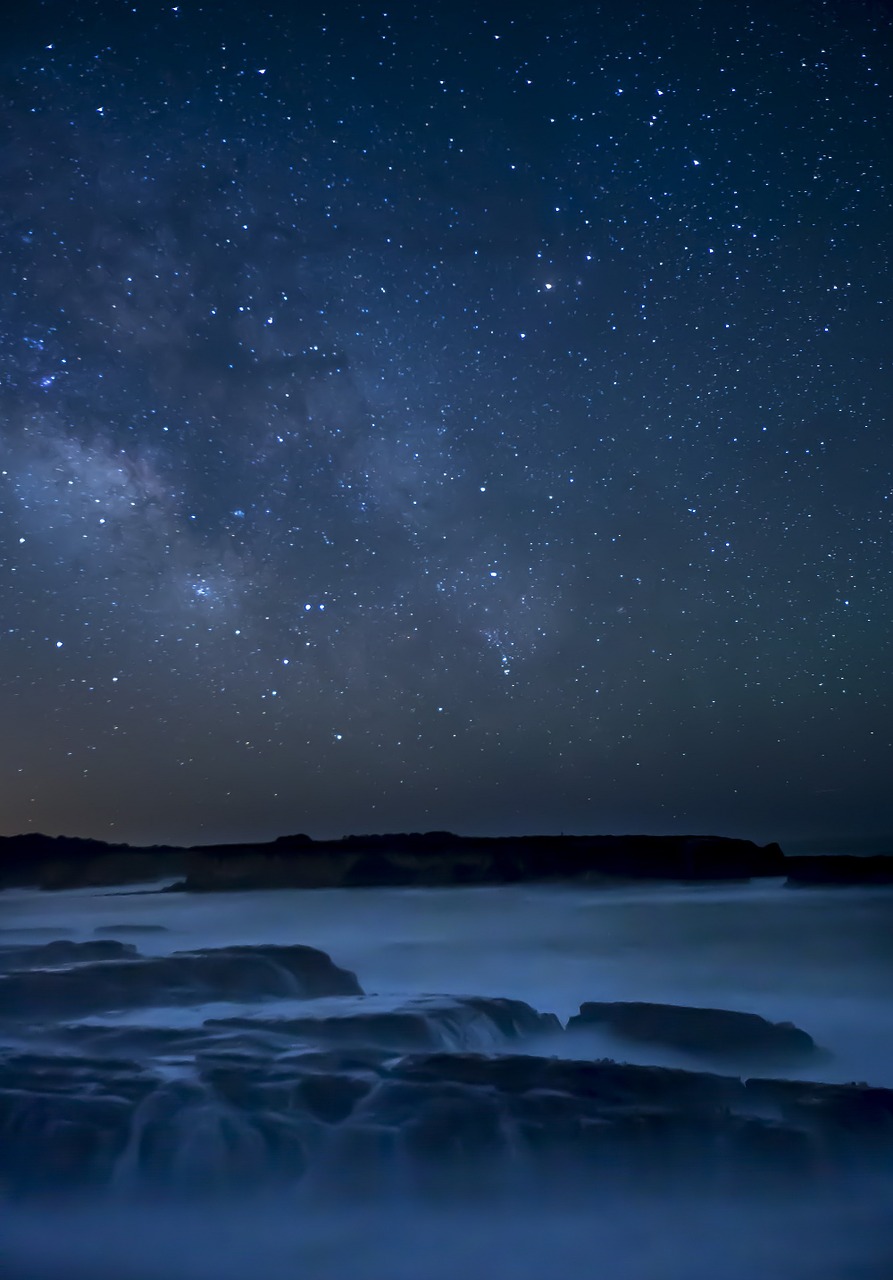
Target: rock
[
  {"x": 425, "y": 1022},
  {"x": 59, "y": 1142},
  {"x": 399, "y": 858},
  {"x": 513, "y": 1017},
  {"x": 853, "y": 1120},
  {"x": 64, "y": 1121},
  {"x": 458, "y": 1132},
  {"x": 715, "y": 1033},
  {"x": 441, "y": 858},
  {"x": 134, "y": 866},
  {"x": 564, "y": 1127},
  {"x": 398, "y": 1030},
  {"x": 612, "y": 1085},
  {"x": 264, "y": 868},
  {"x": 187, "y": 1139},
  {"x": 443, "y": 1122},
  {"x": 333, "y": 1097},
  {"x": 59, "y": 953},
  {"x": 839, "y": 869},
  {"x": 186, "y": 977}
]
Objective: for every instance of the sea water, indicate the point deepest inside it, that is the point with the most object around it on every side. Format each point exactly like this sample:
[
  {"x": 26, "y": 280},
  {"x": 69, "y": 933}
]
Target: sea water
[{"x": 822, "y": 959}]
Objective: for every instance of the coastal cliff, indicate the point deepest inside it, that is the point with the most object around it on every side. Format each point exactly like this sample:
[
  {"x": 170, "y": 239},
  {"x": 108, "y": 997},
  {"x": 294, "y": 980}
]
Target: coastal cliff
[{"x": 425, "y": 859}]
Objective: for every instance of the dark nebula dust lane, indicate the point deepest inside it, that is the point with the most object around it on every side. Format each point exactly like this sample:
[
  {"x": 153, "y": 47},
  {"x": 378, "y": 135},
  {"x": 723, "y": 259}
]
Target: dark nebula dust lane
[{"x": 445, "y": 418}]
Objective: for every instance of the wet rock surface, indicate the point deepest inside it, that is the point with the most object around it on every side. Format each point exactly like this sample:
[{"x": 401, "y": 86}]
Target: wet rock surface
[
  {"x": 249, "y": 1119},
  {"x": 127, "y": 980},
  {"x": 127, "y": 1083},
  {"x": 711, "y": 1033},
  {"x": 61, "y": 952},
  {"x": 423, "y": 1023}
]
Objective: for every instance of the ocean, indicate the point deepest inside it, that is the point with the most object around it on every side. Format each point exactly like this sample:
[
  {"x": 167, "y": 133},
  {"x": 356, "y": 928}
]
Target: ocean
[{"x": 822, "y": 959}]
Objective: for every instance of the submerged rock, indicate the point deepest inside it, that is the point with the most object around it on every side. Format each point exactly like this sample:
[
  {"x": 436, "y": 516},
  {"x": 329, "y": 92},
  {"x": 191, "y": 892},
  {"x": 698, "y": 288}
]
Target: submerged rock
[
  {"x": 715, "y": 1033},
  {"x": 61, "y": 952}
]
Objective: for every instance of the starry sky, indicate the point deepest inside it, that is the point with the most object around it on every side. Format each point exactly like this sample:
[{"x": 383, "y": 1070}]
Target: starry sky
[{"x": 458, "y": 416}]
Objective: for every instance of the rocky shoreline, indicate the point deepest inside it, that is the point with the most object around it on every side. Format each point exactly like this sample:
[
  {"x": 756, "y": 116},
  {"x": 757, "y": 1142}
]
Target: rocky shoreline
[{"x": 321, "y": 1081}]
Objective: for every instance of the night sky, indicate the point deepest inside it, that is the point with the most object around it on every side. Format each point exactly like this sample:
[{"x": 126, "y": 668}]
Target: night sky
[{"x": 446, "y": 416}]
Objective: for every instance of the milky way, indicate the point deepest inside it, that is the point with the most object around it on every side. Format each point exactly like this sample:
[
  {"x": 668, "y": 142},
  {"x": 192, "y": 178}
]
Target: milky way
[{"x": 432, "y": 417}]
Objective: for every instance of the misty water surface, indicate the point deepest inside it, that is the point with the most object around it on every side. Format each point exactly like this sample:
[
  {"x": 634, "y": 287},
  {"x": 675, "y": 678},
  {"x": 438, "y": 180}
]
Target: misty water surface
[{"x": 821, "y": 959}]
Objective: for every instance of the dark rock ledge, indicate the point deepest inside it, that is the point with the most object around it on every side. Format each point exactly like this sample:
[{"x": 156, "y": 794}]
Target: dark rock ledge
[
  {"x": 449, "y": 1122},
  {"x": 715, "y": 1033}
]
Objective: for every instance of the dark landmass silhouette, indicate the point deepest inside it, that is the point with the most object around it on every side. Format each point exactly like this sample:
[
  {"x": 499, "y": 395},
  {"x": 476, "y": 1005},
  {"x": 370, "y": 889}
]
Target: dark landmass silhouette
[
  {"x": 840, "y": 869},
  {"x": 420, "y": 858},
  {"x": 430, "y": 858}
]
